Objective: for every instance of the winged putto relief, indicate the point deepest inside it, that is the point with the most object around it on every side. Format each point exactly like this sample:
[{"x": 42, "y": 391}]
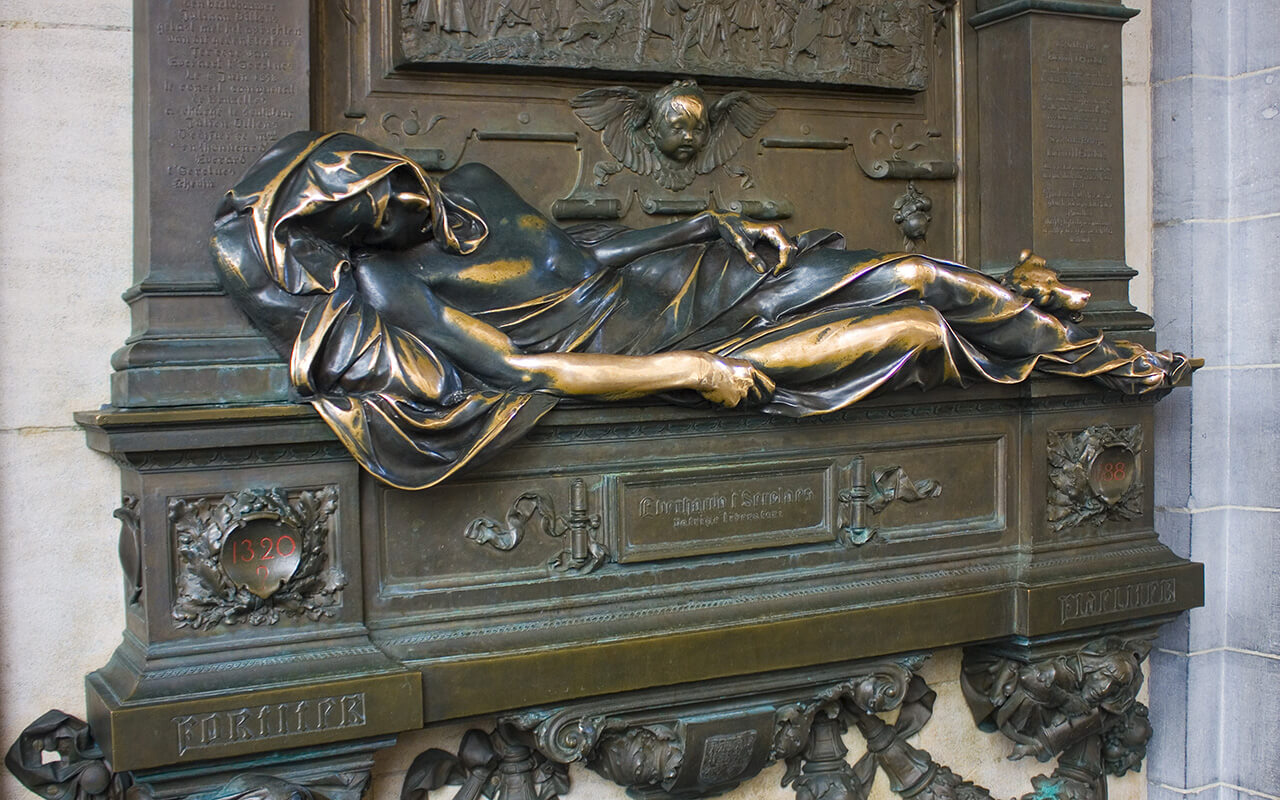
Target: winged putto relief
[{"x": 673, "y": 134}]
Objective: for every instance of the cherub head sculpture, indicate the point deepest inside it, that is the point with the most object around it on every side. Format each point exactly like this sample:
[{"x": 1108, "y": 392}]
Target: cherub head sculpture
[
  {"x": 678, "y": 122},
  {"x": 673, "y": 134}
]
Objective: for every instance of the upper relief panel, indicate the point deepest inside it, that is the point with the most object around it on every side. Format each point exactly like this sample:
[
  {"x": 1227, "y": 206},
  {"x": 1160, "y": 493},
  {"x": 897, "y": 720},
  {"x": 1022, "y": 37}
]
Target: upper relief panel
[
  {"x": 883, "y": 44},
  {"x": 819, "y": 113}
]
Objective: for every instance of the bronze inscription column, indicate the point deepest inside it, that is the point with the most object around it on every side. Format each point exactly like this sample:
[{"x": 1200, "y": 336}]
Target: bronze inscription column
[
  {"x": 1051, "y": 172},
  {"x": 216, "y": 84}
]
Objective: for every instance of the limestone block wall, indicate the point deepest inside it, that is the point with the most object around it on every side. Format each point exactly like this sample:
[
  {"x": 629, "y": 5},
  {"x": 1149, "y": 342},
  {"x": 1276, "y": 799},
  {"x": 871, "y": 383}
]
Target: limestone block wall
[
  {"x": 1216, "y": 205},
  {"x": 65, "y": 258}
]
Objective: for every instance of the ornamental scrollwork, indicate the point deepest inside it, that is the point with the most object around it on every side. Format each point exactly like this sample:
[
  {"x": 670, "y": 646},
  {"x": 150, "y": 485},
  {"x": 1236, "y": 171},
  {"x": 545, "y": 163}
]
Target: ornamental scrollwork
[
  {"x": 584, "y": 552},
  {"x": 1094, "y": 476},
  {"x": 255, "y": 556},
  {"x": 1079, "y": 707},
  {"x": 887, "y": 485}
]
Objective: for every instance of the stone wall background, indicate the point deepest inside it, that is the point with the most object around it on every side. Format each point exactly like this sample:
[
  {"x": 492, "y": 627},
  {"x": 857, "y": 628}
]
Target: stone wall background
[
  {"x": 65, "y": 258},
  {"x": 1216, "y": 206}
]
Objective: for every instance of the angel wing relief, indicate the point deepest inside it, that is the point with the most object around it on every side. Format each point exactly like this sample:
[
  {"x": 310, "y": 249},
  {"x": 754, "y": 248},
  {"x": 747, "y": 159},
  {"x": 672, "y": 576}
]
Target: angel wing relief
[{"x": 671, "y": 135}]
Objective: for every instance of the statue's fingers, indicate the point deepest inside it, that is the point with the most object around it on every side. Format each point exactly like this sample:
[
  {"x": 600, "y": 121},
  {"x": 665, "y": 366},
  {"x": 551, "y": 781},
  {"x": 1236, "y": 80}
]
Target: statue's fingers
[
  {"x": 786, "y": 251},
  {"x": 753, "y": 258}
]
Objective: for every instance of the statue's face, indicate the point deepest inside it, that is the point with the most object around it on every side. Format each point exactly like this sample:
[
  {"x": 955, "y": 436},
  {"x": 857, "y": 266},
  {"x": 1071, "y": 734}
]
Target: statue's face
[
  {"x": 680, "y": 128},
  {"x": 404, "y": 217}
]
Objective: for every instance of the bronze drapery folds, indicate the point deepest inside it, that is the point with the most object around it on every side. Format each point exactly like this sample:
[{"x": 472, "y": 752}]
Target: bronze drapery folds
[{"x": 430, "y": 325}]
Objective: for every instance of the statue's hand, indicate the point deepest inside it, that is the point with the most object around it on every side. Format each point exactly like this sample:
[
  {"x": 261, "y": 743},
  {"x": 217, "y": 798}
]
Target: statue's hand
[
  {"x": 729, "y": 381},
  {"x": 743, "y": 234}
]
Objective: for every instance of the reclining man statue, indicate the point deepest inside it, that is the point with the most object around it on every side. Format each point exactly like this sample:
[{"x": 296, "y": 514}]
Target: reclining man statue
[{"x": 432, "y": 324}]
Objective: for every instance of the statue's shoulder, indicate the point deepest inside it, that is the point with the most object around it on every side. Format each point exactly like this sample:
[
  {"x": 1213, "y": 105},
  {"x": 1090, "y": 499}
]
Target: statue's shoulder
[
  {"x": 474, "y": 176},
  {"x": 484, "y": 190}
]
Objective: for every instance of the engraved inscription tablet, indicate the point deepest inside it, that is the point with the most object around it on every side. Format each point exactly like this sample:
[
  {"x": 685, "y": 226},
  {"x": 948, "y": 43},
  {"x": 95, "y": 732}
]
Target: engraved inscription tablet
[
  {"x": 1112, "y": 600},
  {"x": 274, "y": 722},
  {"x": 225, "y": 81},
  {"x": 880, "y": 43},
  {"x": 717, "y": 510},
  {"x": 1078, "y": 109},
  {"x": 726, "y": 756}
]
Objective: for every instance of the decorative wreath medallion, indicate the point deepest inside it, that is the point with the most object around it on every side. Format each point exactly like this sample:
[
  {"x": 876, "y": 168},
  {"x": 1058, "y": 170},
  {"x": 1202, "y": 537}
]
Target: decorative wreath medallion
[
  {"x": 1094, "y": 476},
  {"x": 253, "y": 556}
]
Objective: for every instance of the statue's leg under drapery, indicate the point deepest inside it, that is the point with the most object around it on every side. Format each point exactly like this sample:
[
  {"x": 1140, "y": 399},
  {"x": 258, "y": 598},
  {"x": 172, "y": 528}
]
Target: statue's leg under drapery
[{"x": 913, "y": 321}]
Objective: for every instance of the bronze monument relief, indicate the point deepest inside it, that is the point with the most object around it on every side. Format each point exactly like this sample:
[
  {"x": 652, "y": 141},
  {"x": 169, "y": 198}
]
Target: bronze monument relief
[
  {"x": 430, "y": 323},
  {"x": 883, "y": 43},
  {"x": 671, "y": 503}
]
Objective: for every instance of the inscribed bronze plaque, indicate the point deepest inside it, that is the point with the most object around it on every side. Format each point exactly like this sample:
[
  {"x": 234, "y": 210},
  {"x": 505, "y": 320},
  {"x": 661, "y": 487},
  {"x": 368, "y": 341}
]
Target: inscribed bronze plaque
[
  {"x": 223, "y": 86},
  {"x": 257, "y": 720},
  {"x": 698, "y": 511},
  {"x": 1078, "y": 125},
  {"x": 885, "y": 44}
]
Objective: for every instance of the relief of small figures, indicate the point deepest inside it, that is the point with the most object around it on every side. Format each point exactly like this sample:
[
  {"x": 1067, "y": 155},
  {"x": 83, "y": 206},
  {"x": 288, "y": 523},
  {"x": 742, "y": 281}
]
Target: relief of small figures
[
  {"x": 673, "y": 134},
  {"x": 882, "y": 43}
]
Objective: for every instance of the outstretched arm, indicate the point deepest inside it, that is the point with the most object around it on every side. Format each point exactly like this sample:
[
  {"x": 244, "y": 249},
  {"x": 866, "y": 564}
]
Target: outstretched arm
[
  {"x": 704, "y": 227},
  {"x": 404, "y": 301}
]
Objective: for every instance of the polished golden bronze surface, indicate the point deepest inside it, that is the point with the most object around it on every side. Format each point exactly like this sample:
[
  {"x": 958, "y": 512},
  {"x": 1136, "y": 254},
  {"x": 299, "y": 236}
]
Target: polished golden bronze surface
[{"x": 430, "y": 324}]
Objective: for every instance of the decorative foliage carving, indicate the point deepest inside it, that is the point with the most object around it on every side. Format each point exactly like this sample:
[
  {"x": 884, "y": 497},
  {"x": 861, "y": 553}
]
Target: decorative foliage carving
[
  {"x": 130, "y": 547},
  {"x": 644, "y": 757},
  {"x": 1094, "y": 476},
  {"x": 78, "y": 773},
  {"x": 674, "y": 134},
  {"x": 1124, "y": 745},
  {"x": 880, "y": 43},
  {"x": 226, "y": 549}
]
